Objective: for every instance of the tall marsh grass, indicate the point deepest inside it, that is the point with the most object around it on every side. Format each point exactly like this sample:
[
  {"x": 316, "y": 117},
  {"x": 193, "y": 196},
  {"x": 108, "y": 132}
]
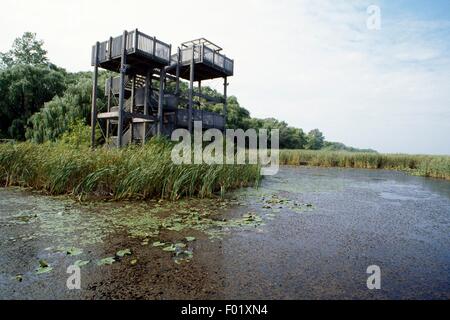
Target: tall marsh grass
[
  {"x": 134, "y": 172},
  {"x": 423, "y": 165}
]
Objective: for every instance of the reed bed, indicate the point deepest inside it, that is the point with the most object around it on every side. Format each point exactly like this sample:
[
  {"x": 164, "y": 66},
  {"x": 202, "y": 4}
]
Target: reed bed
[
  {"x": 133, "y": 172},
  {"x": 423, "y": 165}
]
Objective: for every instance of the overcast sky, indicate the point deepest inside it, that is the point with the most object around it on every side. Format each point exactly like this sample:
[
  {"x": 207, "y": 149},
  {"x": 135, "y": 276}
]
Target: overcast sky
[{"x": 312, "y": 63}]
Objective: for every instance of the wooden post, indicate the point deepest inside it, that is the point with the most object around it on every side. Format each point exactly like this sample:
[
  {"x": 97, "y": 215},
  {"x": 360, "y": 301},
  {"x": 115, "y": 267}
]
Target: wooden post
[
  {"x": 225, "y": 85},
  {"x": 191, "y": 91},
  {"x": 110, "y": 48},
  {"x": 94, "y": 97},
  {"x": 136, "y": 40},
  {"x": 161, "y": 101},
  {"x": 122, "y": 89},
  {"x": 177, "y": 87},
  {"x": 133, "y": 93},
  {"x": 148, "y": 82},
  {"x": 108, "y": 122},
  {"x": 200, "y": 94}
]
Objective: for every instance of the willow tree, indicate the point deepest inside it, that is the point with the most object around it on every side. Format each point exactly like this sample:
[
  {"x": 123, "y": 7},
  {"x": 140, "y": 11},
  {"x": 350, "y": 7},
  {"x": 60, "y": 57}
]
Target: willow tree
[{"x": 58, "y": 115}]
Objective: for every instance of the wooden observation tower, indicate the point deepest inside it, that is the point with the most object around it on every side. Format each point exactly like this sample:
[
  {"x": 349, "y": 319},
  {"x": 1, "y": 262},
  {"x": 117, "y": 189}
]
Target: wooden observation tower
[{"x": 137, "y": 108}]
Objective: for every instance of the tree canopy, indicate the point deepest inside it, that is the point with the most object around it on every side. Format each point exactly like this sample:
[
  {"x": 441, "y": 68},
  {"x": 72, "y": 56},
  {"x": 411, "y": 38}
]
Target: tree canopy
[
  {"x": 314, "y": 140},
  {"x": 25, "y": 50},
  {"x": 23, "y": 91}
]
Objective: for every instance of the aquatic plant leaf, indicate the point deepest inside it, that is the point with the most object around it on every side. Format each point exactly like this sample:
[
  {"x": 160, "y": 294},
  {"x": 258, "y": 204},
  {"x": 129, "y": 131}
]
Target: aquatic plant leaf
[
  {"x": 43, "y": 269},
  {"x": 133, "y": 262},
  {"x": 190, "y": 239},
  {"x": 106, "y": 261},
  {"x": 180, "y": 245},
  {"x": 170, "y": 248},
  {"x": 158, "y": 244},
  {"x": 124, "y": 252},
  {"x": 43, "y": 263},
  {"x": 74, "y": 251},
  {"x": 176, "y": 227},
  {"x": 80, "y": 263}
]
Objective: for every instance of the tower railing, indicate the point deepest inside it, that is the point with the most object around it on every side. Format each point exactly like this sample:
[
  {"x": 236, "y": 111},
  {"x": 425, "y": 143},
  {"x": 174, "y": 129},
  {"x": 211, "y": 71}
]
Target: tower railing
[
  {"x": 203, "y": 54},
  {"x": 137, "y": 42}
]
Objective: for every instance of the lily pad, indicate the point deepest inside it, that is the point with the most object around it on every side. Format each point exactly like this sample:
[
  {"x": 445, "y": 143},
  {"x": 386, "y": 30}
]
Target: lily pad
[
  {"x": 73, "y": 251},
  {"x": 180, "y": 245},
  {"x": 106, "y": 261},
  {"x": 80, "y": 263},
  {"x": 158, "y": 244},
  {"x": 133, "y": 262},
  {"x": 44, "y": 267},
  {"x": 122, "y": 253},
  {"x": 177, "y": 227},
  {"x": 43, "y": 263},
  {"x": 170, "y": 248},
  {"x": 190, "y": 239}
]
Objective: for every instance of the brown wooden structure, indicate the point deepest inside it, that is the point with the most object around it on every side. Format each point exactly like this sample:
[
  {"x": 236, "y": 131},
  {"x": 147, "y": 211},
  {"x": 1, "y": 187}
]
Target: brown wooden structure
[{"x": 136, "y": 109}]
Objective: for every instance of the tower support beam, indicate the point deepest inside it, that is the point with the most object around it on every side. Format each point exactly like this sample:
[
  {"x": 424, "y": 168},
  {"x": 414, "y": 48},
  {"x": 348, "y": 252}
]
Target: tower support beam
[
  {"x": 225, "y": 103},
  {"x": 161, "y": 101},
  {"x": 109, "y": 105},
  {"x": 147, "y": 92},
  {"x": 191, "y": 91},
  {"x": 94, "y": 96},
  {"x": 122, "y": 89}
]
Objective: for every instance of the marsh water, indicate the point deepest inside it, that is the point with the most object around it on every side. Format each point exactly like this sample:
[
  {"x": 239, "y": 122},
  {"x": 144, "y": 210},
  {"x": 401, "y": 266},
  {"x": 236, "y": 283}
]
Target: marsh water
[{"x": 306, "y": 233}]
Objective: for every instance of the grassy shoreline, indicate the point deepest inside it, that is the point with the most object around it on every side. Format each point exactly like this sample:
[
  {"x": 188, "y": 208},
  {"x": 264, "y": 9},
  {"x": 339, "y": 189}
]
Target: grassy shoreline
[
  {"x": 148, "y": 172},
  {"x": 421, "y": 165},
  {"x": 130, "y": 173}
]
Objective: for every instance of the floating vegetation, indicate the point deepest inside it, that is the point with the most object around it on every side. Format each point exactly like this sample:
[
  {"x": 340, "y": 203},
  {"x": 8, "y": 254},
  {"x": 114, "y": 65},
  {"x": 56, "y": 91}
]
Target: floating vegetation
[
  {"x": 276, "y": 203},
  {"x": 106, "y": 261},
  {"x": 171, "y": 248},
  {"x": 72, "y": 251},
  {"x": 133, "y": 262},
  {"x": 123, "y": 253},
  {"x": 44, "y": 267},
  {"x": 81, "y": 263},
  {"x": 67, "y": 222},
  {"x": 23, "y": 218}
]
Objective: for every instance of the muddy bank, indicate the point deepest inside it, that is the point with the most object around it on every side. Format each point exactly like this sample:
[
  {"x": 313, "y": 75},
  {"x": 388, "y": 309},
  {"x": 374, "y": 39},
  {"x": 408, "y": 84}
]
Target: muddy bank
[{"x": 306, "y": 233}]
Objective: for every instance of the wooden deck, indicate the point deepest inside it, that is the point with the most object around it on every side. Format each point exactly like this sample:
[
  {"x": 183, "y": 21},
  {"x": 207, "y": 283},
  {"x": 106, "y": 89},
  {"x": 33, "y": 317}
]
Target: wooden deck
[
  {"x": 143, "y": 52},
  {"x": 208, "y": 63}
]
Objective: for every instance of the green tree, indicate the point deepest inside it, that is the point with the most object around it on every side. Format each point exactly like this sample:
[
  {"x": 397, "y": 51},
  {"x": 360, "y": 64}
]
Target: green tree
[
  {"x": 23, "y": 90},
  {"x": 25, "y": 50},
  {"x": 315, "y": 140},
  {"x": 61, "y": 113},
  {"x": 292, "y": 138}
]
